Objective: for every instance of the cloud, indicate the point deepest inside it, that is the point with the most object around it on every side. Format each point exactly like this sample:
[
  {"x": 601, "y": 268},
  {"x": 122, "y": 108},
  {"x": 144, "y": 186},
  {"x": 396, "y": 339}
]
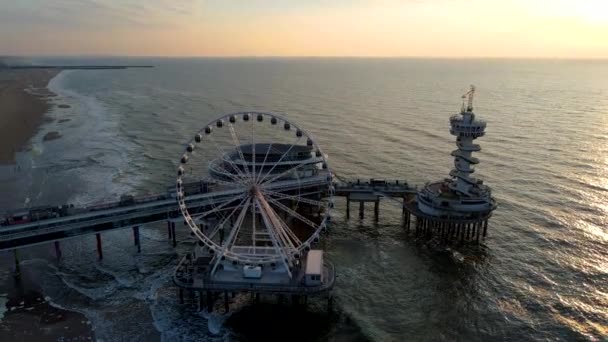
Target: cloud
[{"x": 25, "y": 15}]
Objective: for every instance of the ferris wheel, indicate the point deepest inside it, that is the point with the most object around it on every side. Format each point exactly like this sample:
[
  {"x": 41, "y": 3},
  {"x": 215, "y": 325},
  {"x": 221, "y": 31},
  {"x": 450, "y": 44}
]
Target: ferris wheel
[{"x": 268, "y": 186}]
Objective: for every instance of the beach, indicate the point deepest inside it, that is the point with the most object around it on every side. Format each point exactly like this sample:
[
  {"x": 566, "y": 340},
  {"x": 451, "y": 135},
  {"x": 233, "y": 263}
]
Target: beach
[
  {"x": 28, "y": 316},
  {"x": 24, "y": 102},
  {"x": 26, "y": 313}
]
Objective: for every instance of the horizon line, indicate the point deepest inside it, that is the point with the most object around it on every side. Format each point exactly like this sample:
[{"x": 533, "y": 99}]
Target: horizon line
[{"x": 303, "y": 56}]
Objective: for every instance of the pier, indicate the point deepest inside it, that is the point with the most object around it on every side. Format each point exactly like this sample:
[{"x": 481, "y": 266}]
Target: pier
[
  {"x": 259, "y": 215},
  {"x": 163, "y": 208}
]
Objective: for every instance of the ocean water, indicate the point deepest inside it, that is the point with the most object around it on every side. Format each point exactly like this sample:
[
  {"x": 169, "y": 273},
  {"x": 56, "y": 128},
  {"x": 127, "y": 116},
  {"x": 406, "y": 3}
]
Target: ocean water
[{"x": 541, "y": 274}]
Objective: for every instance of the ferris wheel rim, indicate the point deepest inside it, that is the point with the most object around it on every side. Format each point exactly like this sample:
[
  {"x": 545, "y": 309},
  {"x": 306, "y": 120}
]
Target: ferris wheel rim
[{"x": 319, "y": 155}]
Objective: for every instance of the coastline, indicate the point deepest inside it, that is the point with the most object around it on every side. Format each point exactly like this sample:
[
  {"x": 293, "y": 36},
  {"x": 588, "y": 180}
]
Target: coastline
[
  {"x": 24, "y": 99},
  {"x": 25, "y": 313},
  {"x": 29, "y": 316}
]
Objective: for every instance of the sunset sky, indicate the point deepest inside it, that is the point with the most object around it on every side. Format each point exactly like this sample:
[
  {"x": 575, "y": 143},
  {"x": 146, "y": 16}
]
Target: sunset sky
[{"x": 437, "y": 28}]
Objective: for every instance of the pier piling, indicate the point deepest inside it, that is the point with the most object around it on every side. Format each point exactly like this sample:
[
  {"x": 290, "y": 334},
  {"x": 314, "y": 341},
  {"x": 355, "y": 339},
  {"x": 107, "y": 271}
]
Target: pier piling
[
  {"x": 376, "y": 209},
  {"x": 99, "y": 250},
  {"x": 361, "y": 210},
  {"x": 57, "y": 250},
  {"x": 347, "y": 207},
  {"x": 173, "y": 234},
  {"x": 17, "y": 273},
  {"x": 209, "y": 296},
  {"x": 136, "y": 238},
  {"x": 169, "y": 230},
  {"x": 485, "y": 228}
]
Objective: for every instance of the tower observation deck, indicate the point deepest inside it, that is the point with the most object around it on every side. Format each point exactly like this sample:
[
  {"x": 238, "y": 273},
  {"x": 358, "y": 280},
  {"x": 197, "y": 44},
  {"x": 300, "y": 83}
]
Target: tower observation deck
[{"x": 461, "y": 199}]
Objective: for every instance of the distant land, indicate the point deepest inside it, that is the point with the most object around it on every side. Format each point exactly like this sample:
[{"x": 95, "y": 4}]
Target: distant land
[{"x": 79, "y": 67}]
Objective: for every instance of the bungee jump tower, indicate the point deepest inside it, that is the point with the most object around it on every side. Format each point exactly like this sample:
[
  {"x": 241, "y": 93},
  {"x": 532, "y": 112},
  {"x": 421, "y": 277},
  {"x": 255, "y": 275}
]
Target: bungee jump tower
[{"x": 456, "y": 208}]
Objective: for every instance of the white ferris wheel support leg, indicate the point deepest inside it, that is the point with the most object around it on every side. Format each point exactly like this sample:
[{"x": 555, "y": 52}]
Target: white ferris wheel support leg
[
  {"x": 289, "y": 239},
  {"x": 225, "y": 219},
  {"x": 269, "y": 223},
  {"x": 233, "y": 233}
]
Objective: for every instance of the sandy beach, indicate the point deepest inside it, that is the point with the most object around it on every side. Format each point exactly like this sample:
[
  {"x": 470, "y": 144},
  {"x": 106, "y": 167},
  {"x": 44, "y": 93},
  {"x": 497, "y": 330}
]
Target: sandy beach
[
  {"x": 23, "y": 102},
  {"x": 29, "y": 317},
  {"x": 26, "y": 314}
]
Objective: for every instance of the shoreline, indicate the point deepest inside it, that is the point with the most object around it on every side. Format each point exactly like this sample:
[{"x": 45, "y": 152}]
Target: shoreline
[
  {"x": 24, "y": 99},
  {"x": 26, "y": 314},
  {"x": 29, "y": 316}
]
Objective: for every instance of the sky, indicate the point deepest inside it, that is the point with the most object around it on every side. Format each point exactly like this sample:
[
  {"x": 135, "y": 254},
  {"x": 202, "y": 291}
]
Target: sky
[{"x": 386, "y": 28}]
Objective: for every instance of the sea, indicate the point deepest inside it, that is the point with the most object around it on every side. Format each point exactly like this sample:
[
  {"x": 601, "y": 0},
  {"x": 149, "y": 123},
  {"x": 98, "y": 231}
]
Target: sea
[{"x": 541, "y": 274}]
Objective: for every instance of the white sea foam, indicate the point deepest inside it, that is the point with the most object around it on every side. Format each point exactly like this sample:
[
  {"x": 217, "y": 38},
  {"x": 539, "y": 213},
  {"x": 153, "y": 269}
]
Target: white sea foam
[{"x": 94, "y": 131}]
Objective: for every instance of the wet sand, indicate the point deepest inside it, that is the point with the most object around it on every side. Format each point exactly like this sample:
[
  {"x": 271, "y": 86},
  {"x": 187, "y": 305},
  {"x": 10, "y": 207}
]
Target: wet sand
[
  {"x": 23, "y": 102},
  {"x": 29, "y": 317}
]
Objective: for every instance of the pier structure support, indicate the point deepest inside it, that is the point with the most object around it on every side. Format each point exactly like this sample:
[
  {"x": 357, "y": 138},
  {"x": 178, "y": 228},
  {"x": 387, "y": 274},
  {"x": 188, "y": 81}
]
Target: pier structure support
[
  {"x": 209, "y": 296},
  {"x": 17, "y": 272},
  {"x": 347, "y": 207},
  {"x": 99, "y": 249},
  {"x": 136, "y": 239},
  {"x": 57, "y": 250},
  {"x": 445, "y": 230},
  {"x": 376, "y": 209},
  {"x": 407, "y": 220},
  {"x": 173, "y": 234},
  {"x": 169, "y": 230},
  {"x": 181, "y": 295},
  {"x": 201, "y": 302},
  {"x": 361, "y": 210}
]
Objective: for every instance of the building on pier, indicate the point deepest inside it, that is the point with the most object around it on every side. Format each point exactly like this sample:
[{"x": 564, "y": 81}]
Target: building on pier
[{"x": 458, "y": 207}]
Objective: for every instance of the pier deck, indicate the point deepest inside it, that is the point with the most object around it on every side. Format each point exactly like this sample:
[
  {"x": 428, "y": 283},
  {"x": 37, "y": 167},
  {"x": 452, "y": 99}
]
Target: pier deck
[{"x": 162, "y": 207}]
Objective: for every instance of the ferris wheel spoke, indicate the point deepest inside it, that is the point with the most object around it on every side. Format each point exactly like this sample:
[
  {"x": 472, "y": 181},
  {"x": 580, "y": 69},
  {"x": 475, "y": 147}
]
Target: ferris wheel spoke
[
  {"x": 233, "y": 233},
  {"x": 237, "y": 144},
  {"x": 223, "y": 182},
  {"x": 286, "y": 236},
  {"x": 281, "y": 159},
  {"x": 269, "y": 222},
  {"x": 263, "y": 164},
  {"x": 223, "y": 170},
  {"x": 235, "y": 167},
  {"x": 294, "y": 197},
  {"x": 296, "y": 242},
  {"x": 225, "y": 219},
  {"x": 293, "y": 213},
  {"x": 219, "y": 207},
  {"x": 304, "y": 163},
  {"x": 253, "y": 156}
]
